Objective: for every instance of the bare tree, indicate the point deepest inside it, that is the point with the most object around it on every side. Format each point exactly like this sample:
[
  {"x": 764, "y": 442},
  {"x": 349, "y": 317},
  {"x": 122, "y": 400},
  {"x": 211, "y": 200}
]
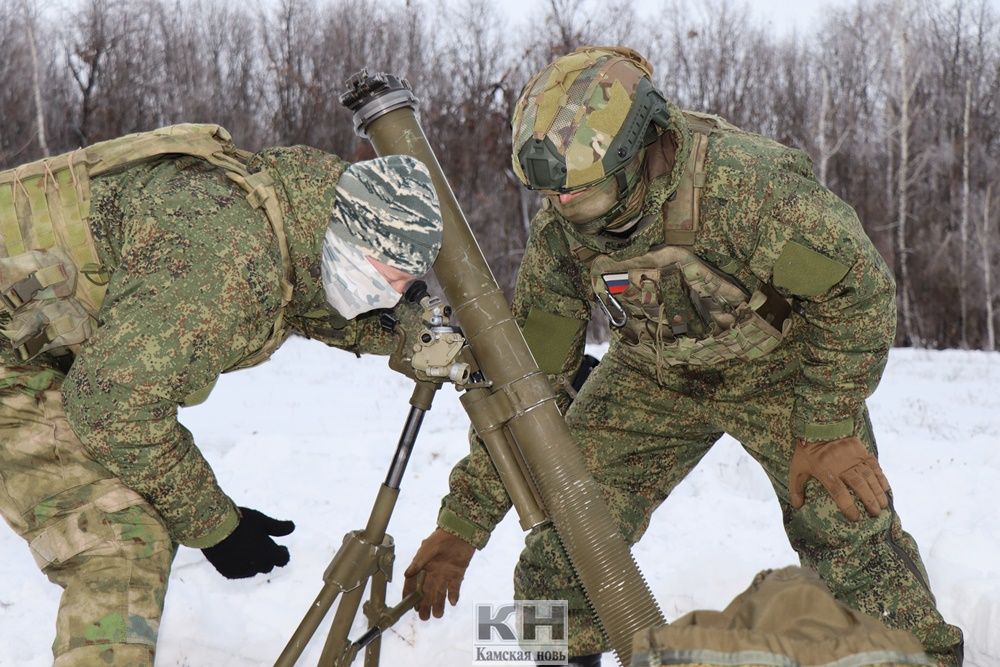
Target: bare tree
[
  {"x": 825, "y": 149},
  {"x": 286, "y": 42},
  {"x": 905, "y": 90},
  {"x": 986, "y": 231},
  {"x": 86, "y": 50},
  {"x": 470, "y": 124},
  {"x": 898, "y": 103},
  {"x": 30, "y": 23},
  {"x": 964, "y": 220}
]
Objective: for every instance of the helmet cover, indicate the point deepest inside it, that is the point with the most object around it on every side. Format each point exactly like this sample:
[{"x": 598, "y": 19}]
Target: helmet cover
[{"x": 583, "y": 118}]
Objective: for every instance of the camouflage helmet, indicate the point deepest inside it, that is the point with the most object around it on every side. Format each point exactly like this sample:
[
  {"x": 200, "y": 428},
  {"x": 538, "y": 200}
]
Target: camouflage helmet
[
  {"x": 584, "y": 117},
  {"x": 389, "y": 209}
]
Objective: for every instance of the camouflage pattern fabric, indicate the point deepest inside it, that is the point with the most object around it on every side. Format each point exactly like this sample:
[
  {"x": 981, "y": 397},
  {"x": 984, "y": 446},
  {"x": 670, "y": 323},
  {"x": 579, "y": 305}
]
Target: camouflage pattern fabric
[
  {"x": 307, "y": 180},
  {"x": 353, "y": 285},
  {"x": 661, "y": 430},
  {"x": 96, "y": 538},
  {"x": 388, "y": 207},
  {"x": 195, "y": 286},
  {"x": 105, "y": 492},
  {"x": 785, "y": 617},
  {"x": 579, "y": 103},
  {"x": 643, "y": 425}
]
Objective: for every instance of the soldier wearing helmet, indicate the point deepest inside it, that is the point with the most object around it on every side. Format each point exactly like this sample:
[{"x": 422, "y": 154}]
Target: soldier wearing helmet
[
  {"x": 127, "y": 291},
  {"x": 743, "y": 298}
]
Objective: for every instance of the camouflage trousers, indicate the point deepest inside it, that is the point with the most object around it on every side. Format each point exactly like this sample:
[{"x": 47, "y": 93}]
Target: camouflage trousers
[
  {"x": 641, "y": 436},
  {"x": 97, "y": 539}
]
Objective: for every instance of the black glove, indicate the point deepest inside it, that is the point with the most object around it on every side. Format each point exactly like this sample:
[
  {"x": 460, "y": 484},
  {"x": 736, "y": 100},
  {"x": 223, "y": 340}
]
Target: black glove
[{"x": 249, "y": 549}]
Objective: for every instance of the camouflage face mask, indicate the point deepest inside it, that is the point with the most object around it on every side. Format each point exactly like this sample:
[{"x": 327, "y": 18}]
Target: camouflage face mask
[
  {"x": 352, "y": 285},
  {"x": 588, "y": 204},
  {"x": 601, "y": 206},
  {"x": 389, "y": 207}
]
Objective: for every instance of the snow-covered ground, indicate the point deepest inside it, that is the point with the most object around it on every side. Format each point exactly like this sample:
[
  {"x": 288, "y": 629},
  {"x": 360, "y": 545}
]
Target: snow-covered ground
[{"x": 309, "y": 437}]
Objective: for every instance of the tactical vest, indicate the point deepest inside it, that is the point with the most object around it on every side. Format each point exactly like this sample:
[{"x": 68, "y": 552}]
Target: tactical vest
[
  {"x": 52, "y": 283},
  {"x": 672, "y": 306}
]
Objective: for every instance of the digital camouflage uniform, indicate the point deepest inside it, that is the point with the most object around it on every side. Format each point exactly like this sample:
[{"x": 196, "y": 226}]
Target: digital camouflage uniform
[
  {"x": 96, "y": 473},
  {"x": 646, "y": 416}
]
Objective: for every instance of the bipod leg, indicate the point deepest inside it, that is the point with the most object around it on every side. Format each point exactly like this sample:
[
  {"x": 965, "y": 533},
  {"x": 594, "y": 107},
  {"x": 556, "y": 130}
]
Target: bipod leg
[
  {"x": 365, "y": 554},
  {"x": 307, "y": 628},
  {"x": 386, "y": 618},
  {"x": 373, "y": 612},
  {"x": 337, "y": 642}
]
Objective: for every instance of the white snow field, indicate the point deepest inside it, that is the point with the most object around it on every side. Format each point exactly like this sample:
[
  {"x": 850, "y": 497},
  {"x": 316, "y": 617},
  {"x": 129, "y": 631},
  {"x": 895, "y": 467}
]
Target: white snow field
[{"x": 309, "y": 437}]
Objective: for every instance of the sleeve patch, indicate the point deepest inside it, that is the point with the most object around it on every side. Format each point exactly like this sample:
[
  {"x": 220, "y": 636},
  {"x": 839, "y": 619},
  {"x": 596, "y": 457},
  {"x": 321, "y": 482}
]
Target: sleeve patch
[
  {"x": 806, "y": 272},
  {"x": 550, "y": 338}
]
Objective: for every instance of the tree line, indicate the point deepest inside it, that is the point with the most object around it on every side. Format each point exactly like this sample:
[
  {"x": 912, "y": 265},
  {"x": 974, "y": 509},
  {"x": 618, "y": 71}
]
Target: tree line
[{"x": 897, "y": 102}]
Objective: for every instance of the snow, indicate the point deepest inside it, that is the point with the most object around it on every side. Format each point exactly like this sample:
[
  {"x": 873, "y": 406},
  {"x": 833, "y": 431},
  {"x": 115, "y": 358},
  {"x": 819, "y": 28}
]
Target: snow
[{"x": 309, "y": 437}]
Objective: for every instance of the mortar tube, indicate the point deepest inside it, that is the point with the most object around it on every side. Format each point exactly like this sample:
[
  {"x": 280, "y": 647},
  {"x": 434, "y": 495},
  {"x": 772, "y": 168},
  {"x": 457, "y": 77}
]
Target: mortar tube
[
  {"x": 385, "y": 113},
  {"x": 506, "y": 459}
]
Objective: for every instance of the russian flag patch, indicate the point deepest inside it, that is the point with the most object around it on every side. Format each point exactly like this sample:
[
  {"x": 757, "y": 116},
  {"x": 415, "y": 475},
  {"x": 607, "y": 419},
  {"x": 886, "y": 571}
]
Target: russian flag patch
[{"x": 615, "y": 282}]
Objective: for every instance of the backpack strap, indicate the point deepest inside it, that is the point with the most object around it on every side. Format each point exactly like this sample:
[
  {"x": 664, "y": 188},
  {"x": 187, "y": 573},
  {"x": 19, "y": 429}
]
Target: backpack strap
[
  {"x": 213, "y": 144},
  {"x": 46, "y": 204},
  {"x": 681, "y": 212},
  {"x": 262, "y": 194}
]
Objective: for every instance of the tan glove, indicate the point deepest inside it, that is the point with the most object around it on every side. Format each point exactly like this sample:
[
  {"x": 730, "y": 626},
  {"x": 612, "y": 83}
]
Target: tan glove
[
  {"x": 444, "y": 558},
  {"x": 839, "y": 465}
]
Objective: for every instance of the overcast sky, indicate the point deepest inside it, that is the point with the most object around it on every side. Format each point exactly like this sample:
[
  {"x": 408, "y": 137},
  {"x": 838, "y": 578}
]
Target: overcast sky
[{"x": 783, "y": 15}]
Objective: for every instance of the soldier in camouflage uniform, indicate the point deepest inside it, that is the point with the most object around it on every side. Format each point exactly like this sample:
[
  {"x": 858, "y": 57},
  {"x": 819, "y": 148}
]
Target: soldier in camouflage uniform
[
  {"x": 744, "y": 298},
  {"x": 96, "y": 473}
]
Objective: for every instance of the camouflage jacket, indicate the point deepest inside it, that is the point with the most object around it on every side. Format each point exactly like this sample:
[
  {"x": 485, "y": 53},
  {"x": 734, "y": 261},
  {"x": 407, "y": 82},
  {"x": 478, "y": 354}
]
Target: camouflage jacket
[
  {"x": 762, "y": 211},
  {"x": 195, "y": 288}
]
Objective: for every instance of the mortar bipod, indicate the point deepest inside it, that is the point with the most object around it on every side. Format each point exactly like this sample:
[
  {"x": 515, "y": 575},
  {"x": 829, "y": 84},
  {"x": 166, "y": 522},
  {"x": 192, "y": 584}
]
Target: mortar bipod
[{"x": 365, "y": 555}]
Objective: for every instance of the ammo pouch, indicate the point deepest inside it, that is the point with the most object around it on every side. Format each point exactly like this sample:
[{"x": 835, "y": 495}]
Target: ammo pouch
[
  {"x": 36, "y": 294},
  {"x": 52, "y": 284},
  {"x": 677, "y": 309},
  {"x": 671, "y": 306}
]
